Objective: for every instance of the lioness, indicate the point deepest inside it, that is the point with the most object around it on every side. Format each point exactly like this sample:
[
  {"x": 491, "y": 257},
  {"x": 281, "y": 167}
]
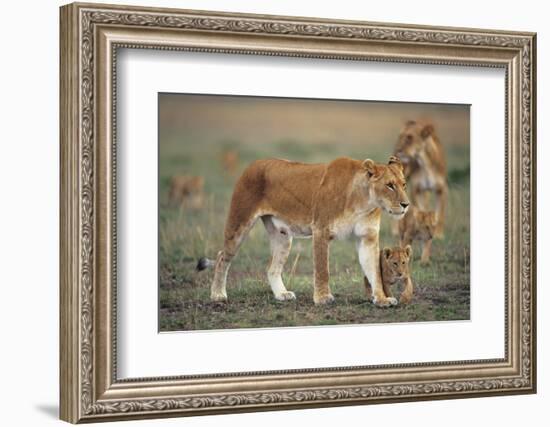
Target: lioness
[
  {"x": 325, "y": 201},
  {"x": 418, "y": 225},
  {"x": 423, "y": 158},
  {"x": 187, "y": 191},
  {"x": 394, "y": 266}
]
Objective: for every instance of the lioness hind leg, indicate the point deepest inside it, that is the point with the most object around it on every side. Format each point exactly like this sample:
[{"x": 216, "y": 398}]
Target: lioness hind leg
[
  {"x": 280, "y": 243},
  {"x": 223, "y": 262},
  {"x": 233, "y": 240}
]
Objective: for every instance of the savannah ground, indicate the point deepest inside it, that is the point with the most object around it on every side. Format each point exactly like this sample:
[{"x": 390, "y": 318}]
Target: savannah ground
[{"x": 193, "y": 135}]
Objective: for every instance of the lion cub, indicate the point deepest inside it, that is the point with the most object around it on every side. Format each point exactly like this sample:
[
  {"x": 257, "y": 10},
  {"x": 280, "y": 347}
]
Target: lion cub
[
  {"x": 187, "y": 191},
  {"x": 394, "y": 266},
  {"x": 418, "y": 225}
]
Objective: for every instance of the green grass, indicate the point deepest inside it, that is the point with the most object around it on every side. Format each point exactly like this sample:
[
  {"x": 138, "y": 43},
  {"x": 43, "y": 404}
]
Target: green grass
[{"x": 442, "y": 289}]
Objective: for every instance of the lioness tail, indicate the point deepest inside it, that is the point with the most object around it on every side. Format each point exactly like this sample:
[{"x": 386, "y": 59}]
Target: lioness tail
[{"x": 204, "y": 263}]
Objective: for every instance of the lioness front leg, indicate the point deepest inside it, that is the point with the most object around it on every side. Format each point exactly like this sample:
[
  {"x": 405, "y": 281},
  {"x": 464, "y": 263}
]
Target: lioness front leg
[
  {"x": 321, "y": 289},
  {"x": 367, "y": 249},
  {"x": 280, "y": 243},
  {"x": 368, "y": 289}
]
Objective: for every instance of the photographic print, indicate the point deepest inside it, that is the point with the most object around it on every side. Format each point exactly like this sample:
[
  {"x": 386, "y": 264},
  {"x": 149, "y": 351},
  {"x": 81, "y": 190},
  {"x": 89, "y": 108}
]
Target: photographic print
[
  {"x": 281, "y": 212},
  {"x": 201, "y": 209}
]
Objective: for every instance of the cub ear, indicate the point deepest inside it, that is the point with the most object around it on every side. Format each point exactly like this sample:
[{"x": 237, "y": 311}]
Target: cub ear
[
  {"x": 409, "y": 251},
  {"x": 426, "y": 131},
  {"x": 386, "y": 252},
  {"x": 410, "y": 123},
  {"x": 395, "y": 161},
  {"x": 371, "y": 168}
]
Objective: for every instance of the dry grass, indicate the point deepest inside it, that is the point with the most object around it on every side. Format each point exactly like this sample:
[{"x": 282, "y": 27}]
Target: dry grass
[{"x": 442, "y": 289}]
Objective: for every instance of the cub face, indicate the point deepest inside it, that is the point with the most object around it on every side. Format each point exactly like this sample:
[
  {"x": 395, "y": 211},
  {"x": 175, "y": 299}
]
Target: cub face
[
  {"x": 412, "y": 140},
  {"x": 425, "y": 225},
  {"x": 387, "y": 185},
  {"x": 395, "y": 264}
]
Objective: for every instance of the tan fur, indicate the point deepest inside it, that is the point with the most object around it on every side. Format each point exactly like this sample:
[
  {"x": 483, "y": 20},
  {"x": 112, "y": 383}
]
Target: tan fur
[
  {"x": 324, "y": 201},
  {"x": 187, "y": 191},
  {"x": 418, "y": 225},
  {"x": 230, "y": 162},
  {"x": 394, "y": 266},
  {"x": 425, "y": 168}
]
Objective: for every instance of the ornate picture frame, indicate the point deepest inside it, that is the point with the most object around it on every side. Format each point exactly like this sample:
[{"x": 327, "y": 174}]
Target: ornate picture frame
[{"x": 90, "y": 37}]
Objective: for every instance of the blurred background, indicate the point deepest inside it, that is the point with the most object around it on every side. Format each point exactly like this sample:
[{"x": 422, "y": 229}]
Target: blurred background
[{"x": 211, "y": 139}]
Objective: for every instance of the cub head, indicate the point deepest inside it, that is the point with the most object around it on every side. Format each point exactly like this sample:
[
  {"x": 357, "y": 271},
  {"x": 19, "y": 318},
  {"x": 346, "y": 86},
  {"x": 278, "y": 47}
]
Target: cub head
[
  {"x": 412, "y": 140},
  {"x": 387, "y": 186},
  {"x": 425, "y": 224},
  {"x": 395, "y": 263}
]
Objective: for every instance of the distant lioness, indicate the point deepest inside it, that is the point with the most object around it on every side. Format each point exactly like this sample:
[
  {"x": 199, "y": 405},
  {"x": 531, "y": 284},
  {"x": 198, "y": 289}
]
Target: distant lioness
[
  {"x": 394, "y": 266},
  {"x": 187, "y": 191},
  {"x": 425, "y": 168},
  {"x": 418, "y": 225},
  {"x": 340, "y": 199}
]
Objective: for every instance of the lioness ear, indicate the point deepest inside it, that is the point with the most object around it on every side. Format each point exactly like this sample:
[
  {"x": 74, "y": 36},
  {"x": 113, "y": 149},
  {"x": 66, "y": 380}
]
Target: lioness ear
[
  {"x": 371, "y": 168},
  {"x": 386, "y": 252},
  {"x": 426, "y": 131},
  {"x": 395, "y": 161},
  {"x": 409, "y": 251}
]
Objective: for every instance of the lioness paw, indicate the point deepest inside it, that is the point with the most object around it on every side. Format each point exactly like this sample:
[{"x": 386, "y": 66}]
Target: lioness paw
[
  {"x": 323, "y": 300},
  {"x": 384, "y": 302},
  {"x": 218, "y": 297},
  {"x": 285, "y": 296}
]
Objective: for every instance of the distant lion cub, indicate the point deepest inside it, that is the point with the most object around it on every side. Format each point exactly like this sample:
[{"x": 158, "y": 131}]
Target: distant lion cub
[
  {"x": 394, "y": 266},
  {"x": 418, "y": 225}
]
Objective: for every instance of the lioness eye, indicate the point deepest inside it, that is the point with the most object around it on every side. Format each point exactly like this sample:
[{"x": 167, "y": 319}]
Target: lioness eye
[
  {"x": 395, "y": 264},
  {"x": 391, "y": 187}
]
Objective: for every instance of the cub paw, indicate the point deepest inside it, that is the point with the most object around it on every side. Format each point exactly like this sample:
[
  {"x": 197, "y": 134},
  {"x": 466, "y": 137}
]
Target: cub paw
[
  {"x": 405, "y": 299},
  {"x": 323, "y": 300},
  {"x": 285, "y": 296}
]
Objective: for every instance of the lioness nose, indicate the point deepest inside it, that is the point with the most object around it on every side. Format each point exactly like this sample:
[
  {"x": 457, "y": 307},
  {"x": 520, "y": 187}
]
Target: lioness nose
[{"x": 404, "y": 205}]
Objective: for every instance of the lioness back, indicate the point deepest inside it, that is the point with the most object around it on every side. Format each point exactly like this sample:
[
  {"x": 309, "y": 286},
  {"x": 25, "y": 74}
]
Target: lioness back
[{"x": 290, "y": 188}]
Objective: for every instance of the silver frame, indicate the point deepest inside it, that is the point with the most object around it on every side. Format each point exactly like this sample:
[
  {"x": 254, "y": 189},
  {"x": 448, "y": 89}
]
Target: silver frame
[{"x": 90, "y": 37}]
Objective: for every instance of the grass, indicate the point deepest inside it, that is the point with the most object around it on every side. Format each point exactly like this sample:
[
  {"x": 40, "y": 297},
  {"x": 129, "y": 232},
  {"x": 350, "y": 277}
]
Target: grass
[{"x": 442, "y": 289}]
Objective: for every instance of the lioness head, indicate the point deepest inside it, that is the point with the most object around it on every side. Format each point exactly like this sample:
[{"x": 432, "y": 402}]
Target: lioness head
[
  {"x": 412, "y": 140},
  {"x": 395, "y": 263},
  {"x": 425, "y": 224},
  {"x": 387, "y": 186}
]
